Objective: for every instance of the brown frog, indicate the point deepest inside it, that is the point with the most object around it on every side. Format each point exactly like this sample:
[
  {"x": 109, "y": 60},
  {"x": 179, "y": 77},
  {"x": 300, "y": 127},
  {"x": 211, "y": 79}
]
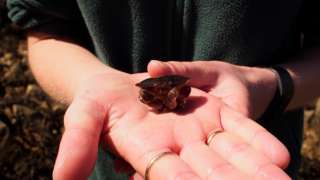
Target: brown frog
[{"x": 164, "y": 93}]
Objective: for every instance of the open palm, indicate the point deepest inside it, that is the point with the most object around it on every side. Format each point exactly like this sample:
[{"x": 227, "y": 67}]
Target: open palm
[{"x": 110, "y": 113}]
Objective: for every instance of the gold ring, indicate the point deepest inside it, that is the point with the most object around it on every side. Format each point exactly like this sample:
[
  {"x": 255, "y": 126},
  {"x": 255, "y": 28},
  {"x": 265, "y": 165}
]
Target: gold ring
[
  {"x": 152, "y": 161},
  {"x": 212, "y": 134}
]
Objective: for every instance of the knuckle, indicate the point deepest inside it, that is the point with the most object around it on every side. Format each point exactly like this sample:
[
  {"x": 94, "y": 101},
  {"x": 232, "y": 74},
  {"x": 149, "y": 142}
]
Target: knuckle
[{"x": 179, "y": 67}]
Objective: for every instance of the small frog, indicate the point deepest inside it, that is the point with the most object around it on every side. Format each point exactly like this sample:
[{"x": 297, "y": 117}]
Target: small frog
[{"x": 164, "y": 93}]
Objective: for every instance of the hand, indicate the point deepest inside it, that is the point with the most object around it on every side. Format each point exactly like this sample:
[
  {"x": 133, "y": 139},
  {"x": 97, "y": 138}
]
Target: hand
[
  {"x": 109, "y": 112},
  {"x": 245, "y": 89}
]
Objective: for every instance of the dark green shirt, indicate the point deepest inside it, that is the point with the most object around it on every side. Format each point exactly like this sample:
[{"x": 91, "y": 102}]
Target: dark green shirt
[{"x": 126, "y": 34}]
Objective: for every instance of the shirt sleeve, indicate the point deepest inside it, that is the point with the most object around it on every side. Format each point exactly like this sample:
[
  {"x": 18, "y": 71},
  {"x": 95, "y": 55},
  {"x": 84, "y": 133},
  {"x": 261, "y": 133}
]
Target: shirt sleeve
[
  {"x": 311, "y": 23},
  {"x": 31, "y": 13},
  {"x": 55, "y": 17}
]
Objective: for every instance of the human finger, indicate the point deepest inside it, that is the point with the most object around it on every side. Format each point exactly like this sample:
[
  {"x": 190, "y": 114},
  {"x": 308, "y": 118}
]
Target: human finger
[
  {"x": 208, "y": 164},
  {"x": 245, "y": 158},
  {"x": 169, "y": 166},
  {"x": 79, "y": 145},
  {"x": 248, "y": 159},
  {"x": 144, "y": 141},
  {"x": 162, "y": 165},
  {"x": 255, "y": 135},
  {"x": 198, "y": 72}
]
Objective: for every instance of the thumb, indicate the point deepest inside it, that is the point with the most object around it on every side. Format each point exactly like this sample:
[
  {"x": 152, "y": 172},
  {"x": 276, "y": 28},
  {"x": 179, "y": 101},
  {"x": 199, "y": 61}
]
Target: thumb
[
  {"x": 201, "y": 73},
  {"x": 79, "y": 145}
]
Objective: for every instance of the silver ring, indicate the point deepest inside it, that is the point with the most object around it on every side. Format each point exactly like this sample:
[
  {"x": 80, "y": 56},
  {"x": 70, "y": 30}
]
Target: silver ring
[
  {"x": 212, "y": 134},
  {"x": 153, "y": 160}
]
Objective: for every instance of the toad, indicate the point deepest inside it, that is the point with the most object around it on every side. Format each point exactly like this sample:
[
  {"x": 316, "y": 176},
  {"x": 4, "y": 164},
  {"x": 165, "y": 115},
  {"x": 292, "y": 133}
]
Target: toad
[{"x": 165, "y": 93}]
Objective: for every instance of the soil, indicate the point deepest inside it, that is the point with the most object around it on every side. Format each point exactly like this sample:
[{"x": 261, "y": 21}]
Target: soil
[{"x": 31, "y": 123}]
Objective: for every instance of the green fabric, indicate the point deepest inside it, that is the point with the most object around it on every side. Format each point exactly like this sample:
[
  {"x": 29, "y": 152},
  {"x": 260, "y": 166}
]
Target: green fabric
[
  {"x": 126, "y": 34},
  {"x": 102, "y": 170}
]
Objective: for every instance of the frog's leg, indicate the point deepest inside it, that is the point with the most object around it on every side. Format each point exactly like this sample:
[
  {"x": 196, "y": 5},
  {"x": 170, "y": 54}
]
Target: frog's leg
[
  {"x": 149, "y": 99},
  {"x": 145, "y": 96},
  {"x": 184, "y": 92},
  {"x": 171, "y": 100}
]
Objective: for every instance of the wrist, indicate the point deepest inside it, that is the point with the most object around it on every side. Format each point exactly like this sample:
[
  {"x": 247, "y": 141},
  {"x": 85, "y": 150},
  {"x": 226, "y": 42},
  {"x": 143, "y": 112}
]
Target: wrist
[
  {"x": 284, "y": 93},
  {"x": 262, "y": 85}
]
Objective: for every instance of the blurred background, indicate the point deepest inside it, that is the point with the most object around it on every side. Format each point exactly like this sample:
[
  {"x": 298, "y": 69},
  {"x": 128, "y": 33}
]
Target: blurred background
[{"x": 31, "y": 123}]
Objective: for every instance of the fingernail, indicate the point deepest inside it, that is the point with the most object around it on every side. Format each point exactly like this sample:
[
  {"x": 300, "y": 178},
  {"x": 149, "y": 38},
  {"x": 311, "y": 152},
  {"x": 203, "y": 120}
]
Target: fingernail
[{"x": 157, "y": 62}]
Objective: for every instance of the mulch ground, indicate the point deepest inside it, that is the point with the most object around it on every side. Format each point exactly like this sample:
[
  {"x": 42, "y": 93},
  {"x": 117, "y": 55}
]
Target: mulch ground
[{"x": 31, "y": 123}]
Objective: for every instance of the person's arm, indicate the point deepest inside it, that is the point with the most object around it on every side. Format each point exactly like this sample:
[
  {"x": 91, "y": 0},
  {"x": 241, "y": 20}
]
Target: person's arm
[
  {"x": 306, "y": 75},
  {"x": 104, "y": 108},
  {"x": 60, "y": 65}
]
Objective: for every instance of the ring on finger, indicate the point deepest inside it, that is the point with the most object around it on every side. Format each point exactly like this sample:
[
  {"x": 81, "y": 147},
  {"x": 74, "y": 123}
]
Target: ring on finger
[
  {"x": 153, "y": 160},
  {"x": 212, "y": 134}
]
